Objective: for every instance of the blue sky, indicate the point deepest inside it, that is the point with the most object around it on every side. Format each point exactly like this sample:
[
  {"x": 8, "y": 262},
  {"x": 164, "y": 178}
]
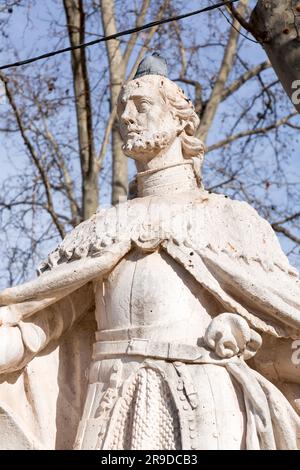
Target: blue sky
[{"x": 31, "y": 36}]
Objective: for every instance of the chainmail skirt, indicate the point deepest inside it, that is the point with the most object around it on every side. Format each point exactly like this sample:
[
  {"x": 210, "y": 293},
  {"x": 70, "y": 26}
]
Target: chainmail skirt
[{"x": 159, "y": 405}]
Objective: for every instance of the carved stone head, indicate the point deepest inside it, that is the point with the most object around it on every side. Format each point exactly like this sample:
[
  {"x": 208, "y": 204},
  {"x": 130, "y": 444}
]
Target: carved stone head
[{"x": 153, "y": 111}]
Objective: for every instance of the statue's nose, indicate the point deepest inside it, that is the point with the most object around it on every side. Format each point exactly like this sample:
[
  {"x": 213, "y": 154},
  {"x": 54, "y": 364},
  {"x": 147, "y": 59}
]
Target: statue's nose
[
  {"x": 127, "y": 116},
  {"x": 127, "y": 120}
]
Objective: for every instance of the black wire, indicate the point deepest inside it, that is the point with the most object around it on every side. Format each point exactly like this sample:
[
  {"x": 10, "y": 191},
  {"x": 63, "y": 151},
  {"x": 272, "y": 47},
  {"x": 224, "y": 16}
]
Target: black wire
[
  {"x": 237, "y": 30},
  {"x": 117, "y": 35}
]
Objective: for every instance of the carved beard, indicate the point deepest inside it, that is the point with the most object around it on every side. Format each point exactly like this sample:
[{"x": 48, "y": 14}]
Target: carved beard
[{"x": 144, "y": 143}]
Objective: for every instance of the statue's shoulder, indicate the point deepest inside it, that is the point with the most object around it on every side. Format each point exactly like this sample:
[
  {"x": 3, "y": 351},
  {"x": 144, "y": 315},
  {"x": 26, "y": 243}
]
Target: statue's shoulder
[
  {"x": 231, "y": 211},
  {"x": 234, "y": 227},
  {"x": 89, "y": 238}
]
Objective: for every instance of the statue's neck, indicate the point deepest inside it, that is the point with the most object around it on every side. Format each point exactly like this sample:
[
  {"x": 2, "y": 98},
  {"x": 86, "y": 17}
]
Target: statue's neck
[{"x": 173, "y": 178}]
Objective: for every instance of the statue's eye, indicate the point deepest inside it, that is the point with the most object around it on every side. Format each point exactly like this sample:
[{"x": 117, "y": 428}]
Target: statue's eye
[{"x": 142, "y": 105}]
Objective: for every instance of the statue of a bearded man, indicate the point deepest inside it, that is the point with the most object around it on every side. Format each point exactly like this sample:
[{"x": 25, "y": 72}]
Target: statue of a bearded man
[{"x": 166, "y": 322}]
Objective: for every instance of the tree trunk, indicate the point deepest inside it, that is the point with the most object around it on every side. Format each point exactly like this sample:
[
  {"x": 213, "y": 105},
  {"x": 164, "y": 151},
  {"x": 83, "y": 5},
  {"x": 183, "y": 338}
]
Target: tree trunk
[
  {"x": 276, "y": 23},
  {"x": 89, "y": 168},
  {"x": 209, "y": 111},
  {"x": 117, "y": 77}
]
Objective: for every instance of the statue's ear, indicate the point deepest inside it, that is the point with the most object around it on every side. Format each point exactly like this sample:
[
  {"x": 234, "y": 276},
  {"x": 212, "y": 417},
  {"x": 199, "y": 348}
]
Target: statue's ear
[
  {"x": 185, "y": 125},
  {"x": 189, "y": 128},
  {"x": 181, "y": 125}
]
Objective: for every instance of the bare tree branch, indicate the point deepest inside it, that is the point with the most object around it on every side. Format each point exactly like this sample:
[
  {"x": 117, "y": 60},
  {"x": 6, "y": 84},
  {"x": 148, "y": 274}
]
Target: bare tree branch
[
  {"x": 288, "y": 219},
  {"x": 117, "y": 71},
  {"x": 239, "y": 82},
  {"x": 260, "y": 130},
  {"x": 134, "y": 36},
  {"x": 34, "y": 157},
  {"x": 106, "y": 137},
  {"x": 286, "y": 232},
  {"x": 76, "y": 29},
  {"x": 68, "y": 182},
  {"x": 216, "y": 96},
  {"x": 242, "y": 21}
]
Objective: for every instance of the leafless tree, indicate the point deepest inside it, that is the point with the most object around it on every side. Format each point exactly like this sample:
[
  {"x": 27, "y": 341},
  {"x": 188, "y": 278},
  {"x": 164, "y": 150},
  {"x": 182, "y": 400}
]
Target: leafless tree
[
  {"x": 58, "y": 122},
  {"x": 276, "y": 26}
]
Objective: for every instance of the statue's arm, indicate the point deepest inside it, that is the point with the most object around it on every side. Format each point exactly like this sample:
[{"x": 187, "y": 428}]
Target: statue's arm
[
  {"x": 65, "y": 277},
  {"x": 40, "y": 311},
  {"x": 21, "y": 340}
]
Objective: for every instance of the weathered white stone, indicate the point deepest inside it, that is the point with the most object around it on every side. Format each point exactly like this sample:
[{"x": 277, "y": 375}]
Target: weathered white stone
[{"x": 167, "y": 322}]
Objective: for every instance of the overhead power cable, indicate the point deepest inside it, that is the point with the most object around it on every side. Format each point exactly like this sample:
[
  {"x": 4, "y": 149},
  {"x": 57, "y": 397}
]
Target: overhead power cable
[{"x": 117, "y": 35}]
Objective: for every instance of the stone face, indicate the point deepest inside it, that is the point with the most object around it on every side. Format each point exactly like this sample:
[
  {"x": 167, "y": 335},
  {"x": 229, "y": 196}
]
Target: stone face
[{"x": 168, "y": 322}]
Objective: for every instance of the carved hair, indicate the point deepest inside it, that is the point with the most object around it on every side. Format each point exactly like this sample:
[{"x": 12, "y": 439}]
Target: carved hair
[{"x": 183, "y": 108}]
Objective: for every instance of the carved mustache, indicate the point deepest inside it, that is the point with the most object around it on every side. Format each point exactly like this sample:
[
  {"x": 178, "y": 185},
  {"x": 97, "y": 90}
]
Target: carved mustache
[{"x": 133, "y": 129}]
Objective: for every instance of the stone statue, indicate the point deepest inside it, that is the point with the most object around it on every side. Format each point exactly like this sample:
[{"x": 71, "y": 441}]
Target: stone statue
[{"x": 166, "y": 322}]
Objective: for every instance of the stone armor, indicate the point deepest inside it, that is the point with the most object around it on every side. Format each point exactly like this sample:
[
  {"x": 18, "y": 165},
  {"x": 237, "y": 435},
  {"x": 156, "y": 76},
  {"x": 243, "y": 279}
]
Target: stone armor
[{"x": 148, "y": 412}]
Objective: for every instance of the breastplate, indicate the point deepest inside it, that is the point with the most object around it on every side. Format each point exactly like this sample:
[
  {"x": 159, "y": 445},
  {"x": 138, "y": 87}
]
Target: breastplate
[{"x": 154, "y": 296}]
